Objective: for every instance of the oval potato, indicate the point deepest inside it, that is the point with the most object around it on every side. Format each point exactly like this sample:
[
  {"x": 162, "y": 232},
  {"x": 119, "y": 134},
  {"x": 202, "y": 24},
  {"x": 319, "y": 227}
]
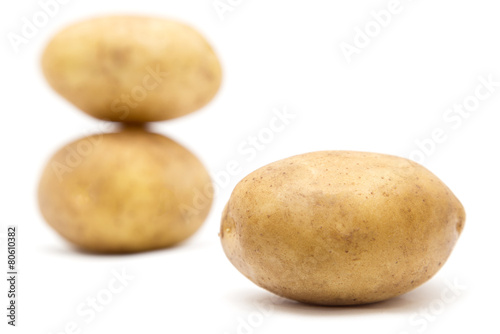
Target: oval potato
[
  {"x": 125, "y": 192},
  {"x": 132, "y": 68},
  {"x": 340, "y": 228}
]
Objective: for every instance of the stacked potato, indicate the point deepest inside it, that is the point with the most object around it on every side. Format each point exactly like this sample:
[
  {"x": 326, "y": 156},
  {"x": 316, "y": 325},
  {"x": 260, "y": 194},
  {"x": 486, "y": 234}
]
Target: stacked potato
[{"x": 132, "y": 190}]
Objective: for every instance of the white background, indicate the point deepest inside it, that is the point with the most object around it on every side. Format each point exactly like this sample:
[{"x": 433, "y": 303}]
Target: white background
[{"x": 275, "y": 54}]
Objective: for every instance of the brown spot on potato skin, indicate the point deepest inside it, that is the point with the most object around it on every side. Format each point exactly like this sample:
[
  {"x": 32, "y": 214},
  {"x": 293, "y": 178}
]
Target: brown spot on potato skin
[{"x": 325, "y": 244}]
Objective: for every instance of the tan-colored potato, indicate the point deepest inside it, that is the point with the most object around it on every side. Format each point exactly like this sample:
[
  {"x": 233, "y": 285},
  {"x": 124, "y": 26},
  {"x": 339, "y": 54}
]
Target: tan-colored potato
[
  {"x": 125, "y": 192},
  {"x": 340, "y": 228},
  {"x": 132, "y": 69}
]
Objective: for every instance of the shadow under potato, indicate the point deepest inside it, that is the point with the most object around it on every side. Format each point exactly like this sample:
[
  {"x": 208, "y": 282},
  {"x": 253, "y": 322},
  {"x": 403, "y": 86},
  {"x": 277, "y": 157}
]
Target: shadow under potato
[
  {"x": 406, "y": 303},
  {"x": 70, "y": 249}
]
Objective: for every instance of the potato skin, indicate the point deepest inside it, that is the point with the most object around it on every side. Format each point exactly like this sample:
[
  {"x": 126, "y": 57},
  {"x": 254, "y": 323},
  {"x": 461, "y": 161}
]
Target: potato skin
[
  {"x": 132, "y": 68},
  {"x": 340, "y": 227},
  {"x": 125, "y": 192}
]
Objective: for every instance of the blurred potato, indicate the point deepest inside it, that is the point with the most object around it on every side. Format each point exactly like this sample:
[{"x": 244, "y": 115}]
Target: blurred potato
[
  {"x": 125, "y": 192},
  {"x": 132, "y": 68}
]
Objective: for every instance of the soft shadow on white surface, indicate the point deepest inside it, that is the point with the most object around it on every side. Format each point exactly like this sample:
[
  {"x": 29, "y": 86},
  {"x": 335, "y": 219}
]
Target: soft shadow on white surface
[
  {"x": 66, "y": 249},
  {"x": 407, "y": 303}
]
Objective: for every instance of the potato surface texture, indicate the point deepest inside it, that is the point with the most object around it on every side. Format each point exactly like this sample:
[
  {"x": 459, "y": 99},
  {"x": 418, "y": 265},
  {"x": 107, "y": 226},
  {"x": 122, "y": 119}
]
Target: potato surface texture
[
  {"x": 122, "y": 192},
  {"x": 132, "y": 69},
  {"x": 340, "y": 227}
]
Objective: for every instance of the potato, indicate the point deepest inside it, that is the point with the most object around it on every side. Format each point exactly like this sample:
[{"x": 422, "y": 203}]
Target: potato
[
  {"x": 132, "y": 69},
  {"x": 340, "y": 228},
  {"x": 125, "y": 192}
]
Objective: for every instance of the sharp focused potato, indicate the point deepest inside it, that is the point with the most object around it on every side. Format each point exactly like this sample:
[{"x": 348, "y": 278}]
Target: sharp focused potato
[
  {"x": 125, "y": 192},
  {"x": 340, "y": 228},
  {"x": 132, "y": 69}
]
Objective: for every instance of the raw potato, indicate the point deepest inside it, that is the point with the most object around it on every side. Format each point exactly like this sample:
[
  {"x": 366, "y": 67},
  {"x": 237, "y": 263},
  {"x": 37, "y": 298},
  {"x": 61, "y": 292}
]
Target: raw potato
[
  {"x": 125, "y": 192},
  {"x": 340, "y": 228},
  {"x": 132, "y": 68}
]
